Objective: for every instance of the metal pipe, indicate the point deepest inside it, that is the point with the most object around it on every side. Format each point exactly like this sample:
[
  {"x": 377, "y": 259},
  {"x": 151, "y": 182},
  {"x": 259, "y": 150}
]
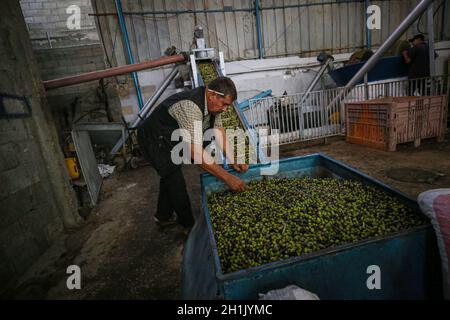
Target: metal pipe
[
  {"x": 445, "y": 18},
  {"x": 258, "y": 29},
  {"x": 126, "y": 41},
  {"x": 368, "y": 31},
  {"x": 291, "y": 6},
  {"x": 147, "y": 109},
  {"x": 316, "y": 78},
  {"x": 396, "y": 34},
  {"x": 99, "y": 74},
  {"x": 226, "y": 9},
  {"x": 175, "y": 11},
  {"x": 48, "y": 39},
  {"x": 430, "y": 27}
]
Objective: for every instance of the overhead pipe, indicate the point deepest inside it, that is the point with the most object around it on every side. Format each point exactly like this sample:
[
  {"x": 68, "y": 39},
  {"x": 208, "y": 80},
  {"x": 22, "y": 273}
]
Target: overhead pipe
[
  {"x": 317, "y": 77},
  {"x": 126, "y": 41},
  {"x": 430, "y": 27},
  {"x": 396, "y": 34},
  {"x": 99, "y": 74},
  {"x": 368, "y": 46},
  {"x": 258, "y": 29},
  {"x": 226, "y": 9},
  {"x": 292, "y": 6},
  {"x": 368, "y": 31},
  {"x": 147, "y": 109},
  {"x": 444, "y": 21},
  {"x": 187, "y": 11}
]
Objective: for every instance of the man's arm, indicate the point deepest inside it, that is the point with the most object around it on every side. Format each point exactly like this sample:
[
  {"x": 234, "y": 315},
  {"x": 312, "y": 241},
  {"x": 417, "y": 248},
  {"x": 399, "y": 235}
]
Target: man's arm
[
  {"x": 186, "y": 113},
  {"x": 225, "y": 146},
  {"x": 412, "y": 53},
  {"x": 406, "y": 57},
  {"x": 207, "y": 163},
  {"x": 223, "y": 143}
]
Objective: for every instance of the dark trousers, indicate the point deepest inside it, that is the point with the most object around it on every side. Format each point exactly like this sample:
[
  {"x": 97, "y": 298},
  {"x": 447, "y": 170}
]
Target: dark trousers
[
  {"x": 173, "y": 196},
  {"x": 421, "y": 87}
]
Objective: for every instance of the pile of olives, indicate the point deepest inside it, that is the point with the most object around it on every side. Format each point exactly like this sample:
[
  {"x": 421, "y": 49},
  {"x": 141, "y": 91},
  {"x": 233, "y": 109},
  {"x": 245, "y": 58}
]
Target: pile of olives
[
  {"x": 286, "y": 217},
  {"x": 207, "y": 71},
  {"x": 230, "y": 119}
]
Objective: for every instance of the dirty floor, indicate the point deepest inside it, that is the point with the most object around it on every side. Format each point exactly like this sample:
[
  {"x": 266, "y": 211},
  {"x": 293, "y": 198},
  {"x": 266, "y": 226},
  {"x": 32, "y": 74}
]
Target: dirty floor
[{"x": 123, "y": 255}]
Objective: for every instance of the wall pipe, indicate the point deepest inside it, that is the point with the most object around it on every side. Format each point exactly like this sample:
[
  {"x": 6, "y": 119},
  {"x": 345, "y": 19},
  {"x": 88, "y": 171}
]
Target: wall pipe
[
  {"x": 126, "y": 41},
  {"x": 430, "y": 29},
  {"x": 445, "y": 18},
  {"x": 258, "y": 29},
  {"x": 292, "y": 6},
  {"x": 175, "y": 11},
  {"x": 368, "y": 31},
  {"x": 316, "y": 78},
  {"x": 227, "y": 9},
  {"x": 147, "y": 109},
  {"x": 396, "y": 34},
  {"x": 99, "y": 74}
]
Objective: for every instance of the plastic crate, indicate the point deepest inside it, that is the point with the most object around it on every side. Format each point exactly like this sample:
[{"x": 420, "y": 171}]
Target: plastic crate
[{"x": 384, "y": 123}]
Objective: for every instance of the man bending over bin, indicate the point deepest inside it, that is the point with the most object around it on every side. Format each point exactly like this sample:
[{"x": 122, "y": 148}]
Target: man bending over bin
[{"x": 180, "y": 111}]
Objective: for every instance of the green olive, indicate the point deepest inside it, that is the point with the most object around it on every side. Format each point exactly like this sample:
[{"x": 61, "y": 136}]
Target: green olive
[{"x": 278, "y": 218}]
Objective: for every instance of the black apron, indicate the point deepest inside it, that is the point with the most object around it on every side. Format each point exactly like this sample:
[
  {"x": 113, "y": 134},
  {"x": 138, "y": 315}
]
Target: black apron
[{"x": 154, "y": 134}]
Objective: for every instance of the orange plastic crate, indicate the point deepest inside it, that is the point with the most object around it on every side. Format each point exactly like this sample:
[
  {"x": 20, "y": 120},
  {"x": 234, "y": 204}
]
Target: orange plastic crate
[{"x": 384, "y": 123}]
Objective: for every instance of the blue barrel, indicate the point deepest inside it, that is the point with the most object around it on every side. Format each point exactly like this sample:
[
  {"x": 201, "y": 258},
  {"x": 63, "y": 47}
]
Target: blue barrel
[
  {"x": 386, "y": 68},
  {"x": 408, "y": 260}
]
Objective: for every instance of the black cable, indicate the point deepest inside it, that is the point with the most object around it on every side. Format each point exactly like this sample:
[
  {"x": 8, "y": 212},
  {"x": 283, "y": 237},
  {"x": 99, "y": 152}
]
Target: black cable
[
  {"x": 98, "y": 110},
  {"x": 94, "y": 3},
  {"x": 434, "y": 14},
  {"x": 108, "y": 60}
]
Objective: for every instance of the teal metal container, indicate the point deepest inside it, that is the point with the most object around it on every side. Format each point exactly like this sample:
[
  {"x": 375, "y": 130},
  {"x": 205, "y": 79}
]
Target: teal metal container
[{"x": 408, "y": 260}]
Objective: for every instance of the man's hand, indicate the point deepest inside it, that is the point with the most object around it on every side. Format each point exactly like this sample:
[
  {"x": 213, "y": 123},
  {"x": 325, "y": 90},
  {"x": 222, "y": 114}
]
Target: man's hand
[
  {"x": 406, "y": 57},
  {"x": 241, "y": 168},
  {"x": 207, "y": 163},
  {"x": 234, "y": 183}
]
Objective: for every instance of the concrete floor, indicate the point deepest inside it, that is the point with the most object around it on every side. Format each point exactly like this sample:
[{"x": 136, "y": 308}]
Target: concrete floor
[{"x": 123, "y": 255}]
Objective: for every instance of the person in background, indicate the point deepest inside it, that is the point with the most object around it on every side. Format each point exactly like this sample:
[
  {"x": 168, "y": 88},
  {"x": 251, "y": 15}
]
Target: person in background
[
  {"x": 402, "y": 49},
  {"x": 418, "y": 59}
]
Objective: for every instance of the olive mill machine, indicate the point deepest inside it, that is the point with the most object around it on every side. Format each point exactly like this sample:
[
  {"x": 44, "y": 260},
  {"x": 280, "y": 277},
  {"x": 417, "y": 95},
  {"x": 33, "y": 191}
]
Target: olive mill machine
[{"x": 207, "y": 56}]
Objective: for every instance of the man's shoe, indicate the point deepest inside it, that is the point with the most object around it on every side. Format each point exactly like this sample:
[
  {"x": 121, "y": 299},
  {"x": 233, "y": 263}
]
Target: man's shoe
[{"x": 165, "y": 223}]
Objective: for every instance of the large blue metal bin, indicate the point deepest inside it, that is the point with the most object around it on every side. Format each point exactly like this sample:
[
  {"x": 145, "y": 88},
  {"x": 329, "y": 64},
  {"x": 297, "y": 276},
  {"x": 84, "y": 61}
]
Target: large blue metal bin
[
  {"x": 408, "y": 260},
  {"x": 386, "y": 68}
]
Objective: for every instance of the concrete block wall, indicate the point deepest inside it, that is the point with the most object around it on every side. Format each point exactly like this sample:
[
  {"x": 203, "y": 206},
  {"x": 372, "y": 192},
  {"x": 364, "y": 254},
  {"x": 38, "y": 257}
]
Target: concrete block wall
[
  {"x": 70, "y": 103},
  {"x": 50, "y": 17},
  {"x": 77, "y": 51},
  {"x": 58, "y": 62},
  {"x": 37, "y": 202},
  {"x": 29, "y": 220},
  {"x": 72, "y": 52}
]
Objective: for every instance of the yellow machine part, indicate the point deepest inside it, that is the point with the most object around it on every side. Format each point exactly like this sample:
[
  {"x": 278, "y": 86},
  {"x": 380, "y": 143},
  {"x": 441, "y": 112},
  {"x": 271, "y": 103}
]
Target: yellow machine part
[{"x": 71, "y": 164}]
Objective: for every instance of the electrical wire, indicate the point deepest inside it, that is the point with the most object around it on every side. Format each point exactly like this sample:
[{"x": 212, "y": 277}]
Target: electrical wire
[
  {"x": 147, "y": 16},
  {"x": 210, "y": 33},
  {"x": 108, "y": 60},
  {"x": 434, "y": 14},
  {"x": 96, "y": 110}
]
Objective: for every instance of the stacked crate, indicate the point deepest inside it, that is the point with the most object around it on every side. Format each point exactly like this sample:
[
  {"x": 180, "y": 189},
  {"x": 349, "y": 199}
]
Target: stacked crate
[{"x": 385, "y": 123}]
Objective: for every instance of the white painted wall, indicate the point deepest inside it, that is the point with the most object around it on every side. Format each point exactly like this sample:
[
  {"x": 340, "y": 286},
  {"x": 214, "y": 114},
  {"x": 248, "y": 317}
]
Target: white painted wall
[
  {"x": 291, "y": 74},
  {"x": 442, "y": 61}
]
